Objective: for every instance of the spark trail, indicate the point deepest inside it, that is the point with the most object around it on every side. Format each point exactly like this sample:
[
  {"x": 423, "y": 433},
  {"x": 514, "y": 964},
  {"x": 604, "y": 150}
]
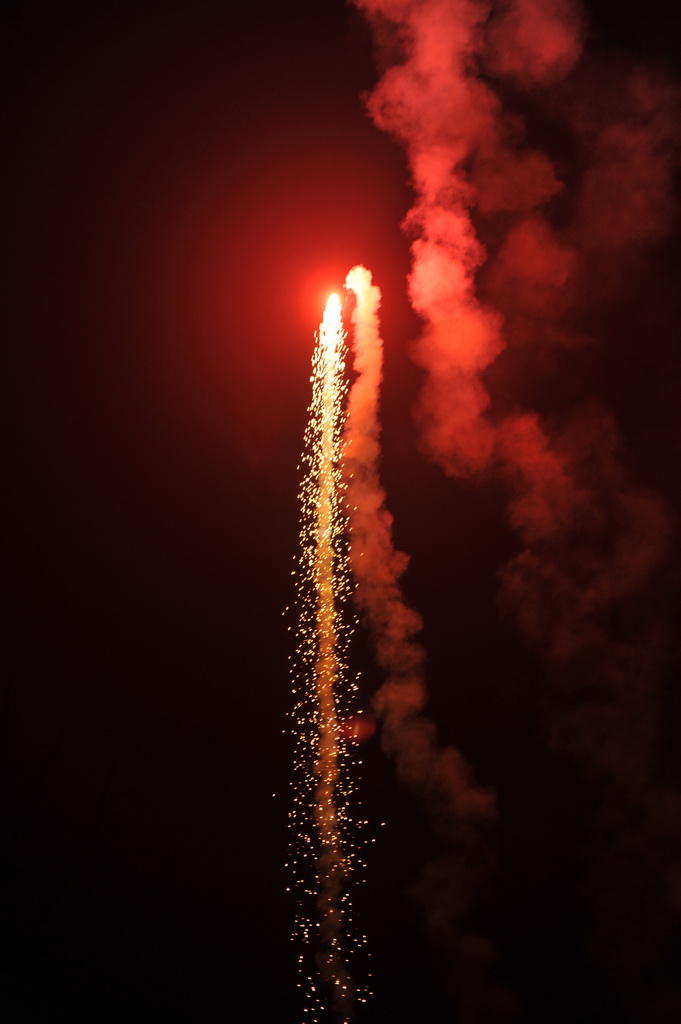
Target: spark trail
[{"x": 324, "y": 840}]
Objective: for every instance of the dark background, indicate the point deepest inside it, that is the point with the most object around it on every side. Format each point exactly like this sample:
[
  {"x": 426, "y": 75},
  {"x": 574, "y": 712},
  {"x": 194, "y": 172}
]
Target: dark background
[{"x": 183, "y": 185}]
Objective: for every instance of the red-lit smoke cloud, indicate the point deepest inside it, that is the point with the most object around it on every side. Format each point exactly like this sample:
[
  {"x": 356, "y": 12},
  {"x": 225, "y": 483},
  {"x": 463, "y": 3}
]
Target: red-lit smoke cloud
[
  {"x": 518, "y": 247},
  {"x": 461, "y": 811}
]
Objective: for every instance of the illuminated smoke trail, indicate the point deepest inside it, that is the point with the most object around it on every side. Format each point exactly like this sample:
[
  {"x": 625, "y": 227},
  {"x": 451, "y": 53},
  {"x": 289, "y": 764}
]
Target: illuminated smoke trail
[
  {"x": 511, "y": 264},
  {"x": 460, "y": 810},
  {"x": 324, "y": 839}
]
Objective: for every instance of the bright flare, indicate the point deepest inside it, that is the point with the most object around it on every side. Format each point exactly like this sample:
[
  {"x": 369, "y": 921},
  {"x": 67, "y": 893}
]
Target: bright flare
[{"x": 324, "y": 841}]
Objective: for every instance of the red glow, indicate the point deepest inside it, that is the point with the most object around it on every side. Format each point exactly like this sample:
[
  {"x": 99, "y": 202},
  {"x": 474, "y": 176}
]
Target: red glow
[{"x": 358, "y": 728}]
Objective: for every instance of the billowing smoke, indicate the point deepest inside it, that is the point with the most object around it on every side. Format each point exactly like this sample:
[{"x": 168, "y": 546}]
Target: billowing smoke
[
  {"x": 542, "y": 176},
  {"x": 461, "y": 811}
]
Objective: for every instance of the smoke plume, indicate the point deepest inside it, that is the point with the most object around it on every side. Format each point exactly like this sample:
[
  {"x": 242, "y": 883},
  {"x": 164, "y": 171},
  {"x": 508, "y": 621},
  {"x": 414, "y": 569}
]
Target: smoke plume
[
  {"x": 461, "y": 811},
  {"x": 541, "y": 178}
]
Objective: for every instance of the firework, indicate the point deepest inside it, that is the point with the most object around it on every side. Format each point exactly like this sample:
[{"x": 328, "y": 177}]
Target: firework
[{"x": 325, "y": 839}]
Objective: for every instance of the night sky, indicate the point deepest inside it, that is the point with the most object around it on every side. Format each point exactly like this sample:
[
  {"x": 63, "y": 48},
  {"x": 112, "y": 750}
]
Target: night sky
[{"x": 183, "y": 185}]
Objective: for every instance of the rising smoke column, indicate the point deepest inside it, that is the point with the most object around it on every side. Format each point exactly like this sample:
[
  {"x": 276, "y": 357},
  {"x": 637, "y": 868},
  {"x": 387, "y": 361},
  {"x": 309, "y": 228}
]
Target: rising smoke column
[
  {"x": 513, "y": 263},
  {"x": 461, "y": 811},
  {"x": 324, "y": 838}
]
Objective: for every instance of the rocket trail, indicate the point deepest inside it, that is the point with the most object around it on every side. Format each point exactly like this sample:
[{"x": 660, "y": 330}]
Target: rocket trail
[
  {"x": 324, "y": 840},
  {"x": 462, "y": 813}
]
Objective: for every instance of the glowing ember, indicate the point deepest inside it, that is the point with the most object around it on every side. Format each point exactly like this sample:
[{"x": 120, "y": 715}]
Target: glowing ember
[
  {"x": 358, "y": 728},
  {"x": 325, "y": 841}
]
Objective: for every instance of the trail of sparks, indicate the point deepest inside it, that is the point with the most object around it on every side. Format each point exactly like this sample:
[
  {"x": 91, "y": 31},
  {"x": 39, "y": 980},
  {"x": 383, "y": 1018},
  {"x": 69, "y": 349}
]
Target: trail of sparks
[{"x": 324, "y": 837}]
